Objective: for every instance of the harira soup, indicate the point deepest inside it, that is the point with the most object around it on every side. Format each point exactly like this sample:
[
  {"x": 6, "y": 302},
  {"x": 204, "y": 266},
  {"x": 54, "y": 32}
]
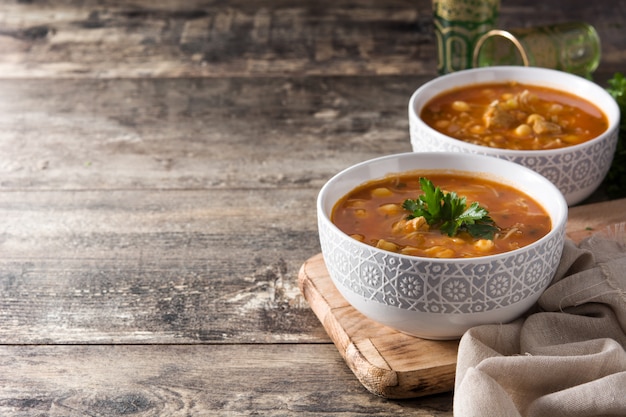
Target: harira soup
[{"x": 441, "y": 215}]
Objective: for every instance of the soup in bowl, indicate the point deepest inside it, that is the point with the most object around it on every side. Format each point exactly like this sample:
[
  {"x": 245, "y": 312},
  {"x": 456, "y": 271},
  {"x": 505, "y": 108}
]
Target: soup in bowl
[
  {"x": 561, "y": 125},
  {"x": 441, "y": 214},
  {"x": 406, "y": 277}
]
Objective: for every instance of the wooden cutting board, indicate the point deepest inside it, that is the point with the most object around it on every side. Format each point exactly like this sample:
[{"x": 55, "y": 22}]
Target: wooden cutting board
[{"x": 391, "y": 364}]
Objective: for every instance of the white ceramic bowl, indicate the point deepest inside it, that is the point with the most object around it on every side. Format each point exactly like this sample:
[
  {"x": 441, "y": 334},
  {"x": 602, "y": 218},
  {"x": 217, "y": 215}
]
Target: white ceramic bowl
[
  {"x": 440, "y": 298},
  {"x": 576, "y": 170}
]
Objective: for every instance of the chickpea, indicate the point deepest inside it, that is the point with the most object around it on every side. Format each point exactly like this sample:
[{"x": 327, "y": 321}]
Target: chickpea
[
  {"x": 556, "y": 108},
  {"x": 442, "y": 124},
  {"x": 534, "y": 118},
  {"x": 510, "y": 104},
  {"x": 523, "y": 130},
  {"x": 460, "y": 106},
  {"x": 360, "y": 213},
  {"x": 381, "y": 192},
  {"x": 354, "y": 203},
  {"x": 477, "y": 129},
  {"x": 389, "y": 209}
]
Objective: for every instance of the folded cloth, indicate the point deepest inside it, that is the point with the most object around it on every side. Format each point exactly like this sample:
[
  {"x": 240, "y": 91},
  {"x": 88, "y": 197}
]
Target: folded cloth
[{"x": 565, "y": 358}]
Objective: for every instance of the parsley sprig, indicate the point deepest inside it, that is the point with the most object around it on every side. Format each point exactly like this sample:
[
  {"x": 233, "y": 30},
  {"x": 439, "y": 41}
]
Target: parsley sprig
[{"x": 450, "y": 213}]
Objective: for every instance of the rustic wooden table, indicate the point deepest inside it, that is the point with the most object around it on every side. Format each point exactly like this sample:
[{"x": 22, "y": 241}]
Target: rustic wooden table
[{"x": 159, "y": 164}]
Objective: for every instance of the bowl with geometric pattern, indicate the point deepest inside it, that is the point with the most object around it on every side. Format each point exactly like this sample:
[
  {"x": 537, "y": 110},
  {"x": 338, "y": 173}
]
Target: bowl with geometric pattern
[
  {"x": 440, "y": 298},
  {"x": 577, "y": 170}
]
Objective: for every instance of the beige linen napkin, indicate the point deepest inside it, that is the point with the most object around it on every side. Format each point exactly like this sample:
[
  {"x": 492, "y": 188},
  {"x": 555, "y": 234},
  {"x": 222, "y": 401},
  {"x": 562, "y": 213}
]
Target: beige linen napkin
[{"x": 566, "y": 358}]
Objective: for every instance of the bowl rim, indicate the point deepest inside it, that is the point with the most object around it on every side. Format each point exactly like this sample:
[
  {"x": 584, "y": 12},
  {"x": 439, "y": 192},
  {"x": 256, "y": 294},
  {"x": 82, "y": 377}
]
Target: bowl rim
[
  {"x": 558, "y": 79},
  {"x": 558, "y": 223}
]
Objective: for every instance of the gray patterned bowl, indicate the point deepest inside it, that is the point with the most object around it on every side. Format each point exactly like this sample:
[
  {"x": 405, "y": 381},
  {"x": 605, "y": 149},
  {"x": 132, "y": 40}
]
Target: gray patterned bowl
[
  {"x": 576, "y": 170},
  {"x": 440, "y": 298}
]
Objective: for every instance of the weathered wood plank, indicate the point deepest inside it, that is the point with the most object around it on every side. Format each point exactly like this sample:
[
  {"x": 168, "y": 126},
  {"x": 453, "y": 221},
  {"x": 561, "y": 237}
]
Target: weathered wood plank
[
  {"x": 158, "y": 266},
  {"x": 196, "y": 133},
  {"x": 208, "y": 38},
  {"x": 191, "y": 380}
]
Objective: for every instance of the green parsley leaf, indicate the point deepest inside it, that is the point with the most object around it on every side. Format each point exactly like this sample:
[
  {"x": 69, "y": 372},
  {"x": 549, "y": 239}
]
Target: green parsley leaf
[{"x": 450, "y": 213}]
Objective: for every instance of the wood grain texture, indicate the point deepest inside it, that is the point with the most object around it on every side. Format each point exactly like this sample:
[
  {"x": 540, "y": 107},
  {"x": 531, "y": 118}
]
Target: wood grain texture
[
  {"x": 213, "y": 39},
  {"x": 158, "y": 266},
  {"x": 210, "y": 38},
  {"x": 196, "y": 133},
  {"x": 207, "y": 380}
]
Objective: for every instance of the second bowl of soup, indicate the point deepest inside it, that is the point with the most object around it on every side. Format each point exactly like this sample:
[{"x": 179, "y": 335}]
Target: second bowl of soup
[
  {"x": 561, "y": 125},
  {"x": 432, "y": 244}
]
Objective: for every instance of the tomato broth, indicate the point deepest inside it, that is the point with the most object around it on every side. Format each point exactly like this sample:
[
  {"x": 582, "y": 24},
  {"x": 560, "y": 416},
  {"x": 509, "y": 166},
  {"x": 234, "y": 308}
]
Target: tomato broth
[
  {"x": 373, "y": 213},
  {"x": 514, "y": 116}
]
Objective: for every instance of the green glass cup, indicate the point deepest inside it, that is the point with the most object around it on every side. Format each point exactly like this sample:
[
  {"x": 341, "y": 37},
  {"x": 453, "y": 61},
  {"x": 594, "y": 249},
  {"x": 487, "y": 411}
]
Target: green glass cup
[
  {"x": 572, "y": 47},
  {"x": 458, "y": 26}
]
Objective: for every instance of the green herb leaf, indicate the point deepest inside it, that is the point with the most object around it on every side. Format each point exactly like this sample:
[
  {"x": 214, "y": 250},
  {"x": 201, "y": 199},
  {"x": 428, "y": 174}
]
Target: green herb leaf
[
  {"x": 617, "y": 88},
  {"x": 615, "y": 181},
  {"x": 450, "y": 213}
]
